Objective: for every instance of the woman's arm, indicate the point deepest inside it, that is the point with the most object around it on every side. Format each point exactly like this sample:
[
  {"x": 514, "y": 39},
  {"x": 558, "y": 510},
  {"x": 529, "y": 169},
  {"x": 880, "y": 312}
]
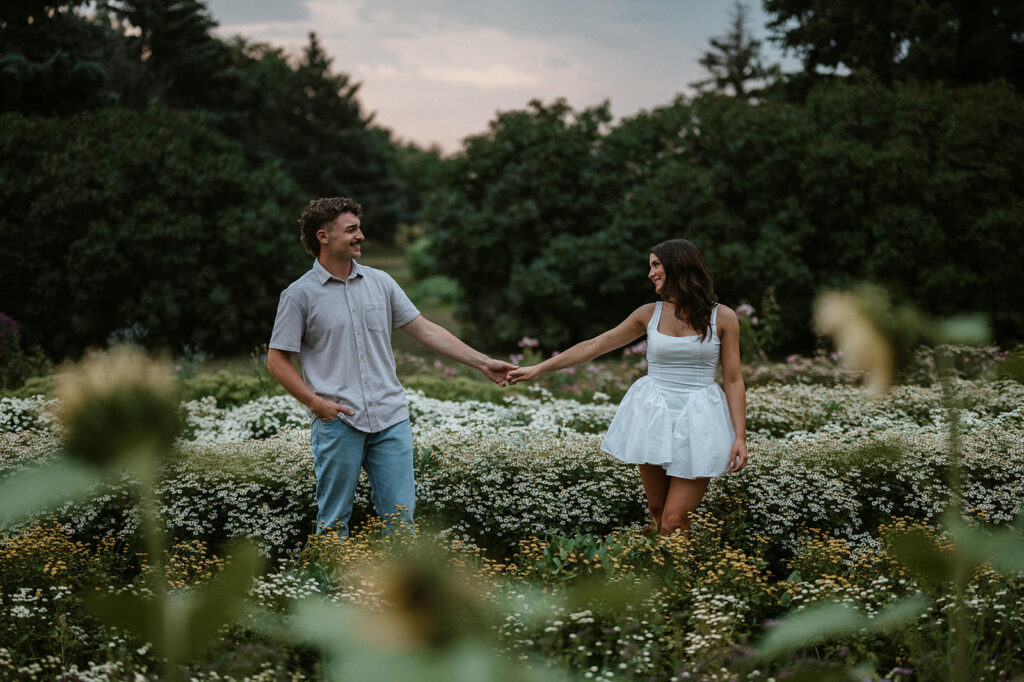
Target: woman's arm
[
  {"x": 732, "y": 380},
  {"x": 632, "y": 328}
]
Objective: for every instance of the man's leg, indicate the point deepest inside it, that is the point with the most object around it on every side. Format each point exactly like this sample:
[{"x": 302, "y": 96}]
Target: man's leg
[
  {"x": 389, "y": 468},
  {"x": 337, "y": 456}
]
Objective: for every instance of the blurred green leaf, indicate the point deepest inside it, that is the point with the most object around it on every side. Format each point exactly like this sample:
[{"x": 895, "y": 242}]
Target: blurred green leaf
[
  {"x": 823, "y": 673},
  {"x": 918, "y": 552},
  {"x": 1004, "y": 548},
  {"x": 811, "y": 625},
  {"x": 598, "y": 594},
  {"x": 972, "y": 330},
  {"x": 341, "y": 633},
  {"x": 1013, "y": 367},
  {"x": 899, "y": 613},
  {"x": 32, "y": 492},
  {"x": 327, "y": 625},
  {"x": 136, "y": 614},
  {"x": 182, "y": 624},
  {"x": 219, "y": 603},
  {"x": 825, "y": 621}
]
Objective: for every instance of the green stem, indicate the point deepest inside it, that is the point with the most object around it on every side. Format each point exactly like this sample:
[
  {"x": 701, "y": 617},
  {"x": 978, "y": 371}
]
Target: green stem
[
  {"x": 148, "y": 470},
  {"x": 961, "y": 568}
]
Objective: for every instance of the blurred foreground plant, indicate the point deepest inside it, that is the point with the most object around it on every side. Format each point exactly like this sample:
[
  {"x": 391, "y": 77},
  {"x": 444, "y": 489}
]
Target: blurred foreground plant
[
  {"x": 424, "y": 611},
  {"x": 877, "y": 338},
  {"x": 119, "y": 412}
]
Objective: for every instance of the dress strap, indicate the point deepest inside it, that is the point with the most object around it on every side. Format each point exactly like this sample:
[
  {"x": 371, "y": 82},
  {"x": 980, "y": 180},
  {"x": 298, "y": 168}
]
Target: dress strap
[
  {"x": 656, "y": 317},
  {"x": 714, "y": 314}
]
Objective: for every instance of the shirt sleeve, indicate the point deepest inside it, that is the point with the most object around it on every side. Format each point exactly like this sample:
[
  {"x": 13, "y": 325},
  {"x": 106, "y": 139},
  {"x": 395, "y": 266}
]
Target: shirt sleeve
[
  {"x": 288, "y": 325},
  {"x": 402, "y": 309}
]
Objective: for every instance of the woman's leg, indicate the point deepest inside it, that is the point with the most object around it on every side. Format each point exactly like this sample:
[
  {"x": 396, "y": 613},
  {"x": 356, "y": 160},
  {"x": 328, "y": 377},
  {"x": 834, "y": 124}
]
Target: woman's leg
[
  {"x": 656, "y": 487},
  {"x": 684, "y": 495}
]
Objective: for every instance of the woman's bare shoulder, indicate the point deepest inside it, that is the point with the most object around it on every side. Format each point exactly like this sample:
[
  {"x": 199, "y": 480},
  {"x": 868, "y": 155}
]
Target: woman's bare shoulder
[
  {"x": 727, "y": 316},
  {"x": 644, "y": 313}
]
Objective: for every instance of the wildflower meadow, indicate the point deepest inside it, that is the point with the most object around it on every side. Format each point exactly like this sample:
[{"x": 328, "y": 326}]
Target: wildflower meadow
[{"x": 530, "y": 552}]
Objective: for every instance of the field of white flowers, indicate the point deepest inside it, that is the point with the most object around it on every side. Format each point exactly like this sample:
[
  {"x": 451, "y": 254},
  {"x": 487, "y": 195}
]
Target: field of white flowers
[{"x": 831, "y": 472}]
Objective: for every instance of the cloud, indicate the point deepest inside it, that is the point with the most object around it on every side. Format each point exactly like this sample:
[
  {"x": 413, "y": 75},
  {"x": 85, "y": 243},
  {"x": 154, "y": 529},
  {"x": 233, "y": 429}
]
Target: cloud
[
  {"x": 495, "y": 76},
  {"x": 233, "y": 12},
  {"x": 436, "y": 72}
]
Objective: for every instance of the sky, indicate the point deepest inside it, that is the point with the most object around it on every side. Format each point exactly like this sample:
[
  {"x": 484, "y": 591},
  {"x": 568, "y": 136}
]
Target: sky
[{"x": 436, "y": 71}]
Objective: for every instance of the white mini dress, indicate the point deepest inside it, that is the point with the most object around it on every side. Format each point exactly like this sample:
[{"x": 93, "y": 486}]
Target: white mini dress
[{"x": 676, "y": 416}]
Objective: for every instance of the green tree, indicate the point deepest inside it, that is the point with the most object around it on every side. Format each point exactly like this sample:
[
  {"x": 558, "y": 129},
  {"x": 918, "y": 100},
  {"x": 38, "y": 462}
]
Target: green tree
[
  {"x": 52, "y": 58},
  {"x": 952, "y": 41},
  {"x": 519, "y": 202},
  {"x": 148, "y": 220},
  {"x": 546, "y": 220},
  {"x": 309, "y": 118},
  {"x": 420, "y": 172},
  {"x": 177, "y": 60},
  {"x": 735, "y": 61}
]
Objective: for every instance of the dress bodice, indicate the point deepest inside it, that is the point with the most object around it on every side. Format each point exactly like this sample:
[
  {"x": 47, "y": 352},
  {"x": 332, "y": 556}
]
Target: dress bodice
[{"x": 682, "y": 362}]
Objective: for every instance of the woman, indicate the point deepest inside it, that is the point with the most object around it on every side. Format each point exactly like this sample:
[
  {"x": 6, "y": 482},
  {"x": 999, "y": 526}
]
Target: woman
[{"x": 676, "y": 423}]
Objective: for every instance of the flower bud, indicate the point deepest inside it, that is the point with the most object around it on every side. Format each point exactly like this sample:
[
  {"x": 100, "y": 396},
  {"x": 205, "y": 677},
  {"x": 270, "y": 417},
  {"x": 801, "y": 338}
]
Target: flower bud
[{"x": 116, "y": 404}]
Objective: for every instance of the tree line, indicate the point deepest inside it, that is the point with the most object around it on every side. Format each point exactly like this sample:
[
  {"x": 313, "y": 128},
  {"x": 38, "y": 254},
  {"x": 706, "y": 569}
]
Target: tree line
[
  {"x": 895, "y": 156},
  {"x": 151, "y": 174}
]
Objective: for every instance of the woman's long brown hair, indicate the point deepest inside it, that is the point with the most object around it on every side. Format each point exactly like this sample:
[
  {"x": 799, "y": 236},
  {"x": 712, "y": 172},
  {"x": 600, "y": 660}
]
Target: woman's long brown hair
[{"x": 688, "y": 283}]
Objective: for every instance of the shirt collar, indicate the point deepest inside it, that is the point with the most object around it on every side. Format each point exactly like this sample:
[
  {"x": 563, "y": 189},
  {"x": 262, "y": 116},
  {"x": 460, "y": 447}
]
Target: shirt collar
[{"x": 322, "y": 275}]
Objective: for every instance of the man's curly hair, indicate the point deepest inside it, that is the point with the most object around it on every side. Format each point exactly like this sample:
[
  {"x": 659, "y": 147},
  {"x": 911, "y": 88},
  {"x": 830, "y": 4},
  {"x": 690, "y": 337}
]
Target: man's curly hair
[{"x": 320, "y": 213}]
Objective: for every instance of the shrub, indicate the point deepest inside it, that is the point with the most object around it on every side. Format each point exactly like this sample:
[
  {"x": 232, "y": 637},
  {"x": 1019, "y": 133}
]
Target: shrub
[
  {"x": 18, "y": 364},
  {"x": 228, "y": 389},
  {"x": 458, "y": 388},
  {"x": 144, "y": 220}
]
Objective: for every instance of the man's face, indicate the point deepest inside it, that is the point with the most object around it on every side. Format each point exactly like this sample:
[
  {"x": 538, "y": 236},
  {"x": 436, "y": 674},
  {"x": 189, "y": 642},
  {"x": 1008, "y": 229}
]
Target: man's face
[{"x": 342, "y": 238}]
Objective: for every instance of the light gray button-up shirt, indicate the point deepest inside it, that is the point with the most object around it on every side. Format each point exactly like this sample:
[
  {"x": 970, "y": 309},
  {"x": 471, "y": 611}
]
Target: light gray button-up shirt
[{"x": 342, "y": 332}]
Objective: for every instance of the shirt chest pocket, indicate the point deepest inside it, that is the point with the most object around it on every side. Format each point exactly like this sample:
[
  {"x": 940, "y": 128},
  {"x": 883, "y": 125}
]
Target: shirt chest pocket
[{"x": 377, "y": 317}]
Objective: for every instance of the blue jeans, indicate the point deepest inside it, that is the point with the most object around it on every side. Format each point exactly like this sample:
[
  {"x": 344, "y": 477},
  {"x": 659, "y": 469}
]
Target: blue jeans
[{"x": 339, "y": 451}]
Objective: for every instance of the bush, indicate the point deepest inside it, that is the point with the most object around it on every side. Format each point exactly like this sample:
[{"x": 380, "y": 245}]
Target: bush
[
  {"x": 17, "y": 364},
  {"x": 229, "y": 389},
  {"x": 143, "y": 220},
  {"x": 35, "y": 386},
  {"x": 434, "y": 291},
  {"x": 823, "y": 457},
  {"x": 459, "y": 388}
]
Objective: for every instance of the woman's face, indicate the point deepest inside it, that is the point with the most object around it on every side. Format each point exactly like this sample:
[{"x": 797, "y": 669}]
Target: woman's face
[{"x": 657, "y": 274}]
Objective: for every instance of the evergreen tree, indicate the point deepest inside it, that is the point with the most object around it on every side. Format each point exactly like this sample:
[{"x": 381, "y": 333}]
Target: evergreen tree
[
  {"x": 735, "y": 60},
  {"x": 52, "y": 58},
  {"x": 182, "y": 64},
  {"x": 308, "y": 117}
]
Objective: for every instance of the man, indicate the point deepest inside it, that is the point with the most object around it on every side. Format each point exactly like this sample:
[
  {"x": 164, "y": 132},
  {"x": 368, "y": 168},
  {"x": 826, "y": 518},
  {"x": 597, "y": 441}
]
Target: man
[{"x": 339, "y": 317}]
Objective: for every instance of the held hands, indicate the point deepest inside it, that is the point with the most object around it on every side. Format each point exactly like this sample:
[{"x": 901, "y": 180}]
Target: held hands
[
  {"x": 738, "y": 457},
  {"x": 497, "y": 371},
  {"x": 523, "y": 374},
  {"x": 326, "y": 410}
]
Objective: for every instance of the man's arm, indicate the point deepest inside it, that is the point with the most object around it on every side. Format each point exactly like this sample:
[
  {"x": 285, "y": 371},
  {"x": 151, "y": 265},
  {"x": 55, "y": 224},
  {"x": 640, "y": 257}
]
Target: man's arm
[
  {"x": 279, "y": 362},
  {"x": 443, "y": 342}
]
